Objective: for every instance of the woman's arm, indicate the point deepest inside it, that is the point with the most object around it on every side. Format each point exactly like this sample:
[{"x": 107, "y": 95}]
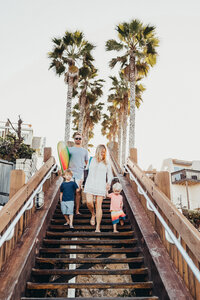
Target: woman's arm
[{"x": 109, "y": 175}]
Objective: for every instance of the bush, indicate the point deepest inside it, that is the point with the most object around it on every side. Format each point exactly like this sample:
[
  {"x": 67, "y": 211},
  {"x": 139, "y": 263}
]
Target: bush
[{"x": 11, "y": 149}]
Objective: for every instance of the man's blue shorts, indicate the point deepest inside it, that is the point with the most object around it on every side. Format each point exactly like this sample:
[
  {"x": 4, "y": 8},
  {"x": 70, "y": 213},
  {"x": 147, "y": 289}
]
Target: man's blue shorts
[{"x": 67, "y": 207}]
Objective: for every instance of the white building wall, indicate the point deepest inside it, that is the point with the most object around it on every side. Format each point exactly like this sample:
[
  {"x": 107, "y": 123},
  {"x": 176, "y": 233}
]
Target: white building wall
[{"x": 179, "y": 192}]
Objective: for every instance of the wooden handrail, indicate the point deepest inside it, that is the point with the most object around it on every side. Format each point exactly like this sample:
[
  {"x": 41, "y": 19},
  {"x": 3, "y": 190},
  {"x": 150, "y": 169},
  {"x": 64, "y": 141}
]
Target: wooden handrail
[
  {"x": 18, "y": 200},
  {"x": 185, "y": 229}
]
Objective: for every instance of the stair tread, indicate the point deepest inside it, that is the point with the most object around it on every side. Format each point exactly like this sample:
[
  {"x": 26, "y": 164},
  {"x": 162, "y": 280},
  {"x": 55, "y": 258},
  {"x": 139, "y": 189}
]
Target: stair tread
[
  {"x": 90, "y": 260},
  {"x": 90, "y": 250},
  {"x": 90, "y": 234},
  {"x": 135, "y": 285},
  {"x": 89, "y": 271},
  {"x": 95, "y": 298},
  {"x": 61, "y": 219},
  {"x": 89, "y": 242},
  {"x": 90, "y": 227}
]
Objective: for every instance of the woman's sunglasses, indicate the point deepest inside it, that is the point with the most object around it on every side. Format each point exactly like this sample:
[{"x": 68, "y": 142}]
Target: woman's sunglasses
[{"x": 78, "y": 139}]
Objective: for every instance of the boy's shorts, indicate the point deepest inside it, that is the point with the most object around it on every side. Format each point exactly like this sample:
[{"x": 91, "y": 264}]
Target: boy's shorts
[{"x": 67, "y": 207}]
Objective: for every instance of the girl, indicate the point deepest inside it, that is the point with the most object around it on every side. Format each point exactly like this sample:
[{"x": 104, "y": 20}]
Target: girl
[
  {"x": 96, "y": 185},
  {"x": 116, "y": 205}
]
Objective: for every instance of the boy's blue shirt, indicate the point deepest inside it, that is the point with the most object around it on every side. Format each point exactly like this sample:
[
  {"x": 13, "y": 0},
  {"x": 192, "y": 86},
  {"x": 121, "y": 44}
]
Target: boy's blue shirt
[{"x": 68, "y": 189}]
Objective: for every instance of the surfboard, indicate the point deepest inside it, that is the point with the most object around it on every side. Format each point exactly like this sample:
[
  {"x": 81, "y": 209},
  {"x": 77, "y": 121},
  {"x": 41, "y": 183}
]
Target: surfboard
[{"x": 64, "y": 155}]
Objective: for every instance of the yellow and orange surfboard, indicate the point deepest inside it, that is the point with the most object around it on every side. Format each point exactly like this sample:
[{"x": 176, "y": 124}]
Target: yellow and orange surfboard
[{"x": 64, "y": 155}]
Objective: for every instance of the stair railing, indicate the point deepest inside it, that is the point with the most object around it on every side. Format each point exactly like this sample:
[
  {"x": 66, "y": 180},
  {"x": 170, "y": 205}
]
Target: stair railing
[
  {"x": 170, "y": 237},
  {"x": 179, "y": 236},
  {"x": 16, "y": 214}
]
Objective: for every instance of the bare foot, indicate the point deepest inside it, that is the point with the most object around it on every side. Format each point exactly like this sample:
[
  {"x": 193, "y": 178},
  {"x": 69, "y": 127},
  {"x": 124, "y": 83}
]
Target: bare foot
[
  {"x": 78, "y": 213},
  {"x": 115, "y": 231},
  {"x": 92, "y": 220},
  {"x": 97, "y": 230}
]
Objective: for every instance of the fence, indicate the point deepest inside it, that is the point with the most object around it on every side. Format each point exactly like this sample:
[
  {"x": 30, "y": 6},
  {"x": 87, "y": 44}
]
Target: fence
[{"x": 5, "y": 169}]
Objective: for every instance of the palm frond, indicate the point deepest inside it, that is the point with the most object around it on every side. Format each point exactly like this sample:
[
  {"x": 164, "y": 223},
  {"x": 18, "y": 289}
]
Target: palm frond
[
  {"x": 123, "y": 31},
  {"x": 148, "y": 30},
  {"x": 151, "y": 59},
  {"x": 113, "y": 45},
  {"x": 68, "y": 39},
  {"x": 57, "y": 66},
  {"x": 135, "y": 26},
  {"x": 78, "y": 37}
]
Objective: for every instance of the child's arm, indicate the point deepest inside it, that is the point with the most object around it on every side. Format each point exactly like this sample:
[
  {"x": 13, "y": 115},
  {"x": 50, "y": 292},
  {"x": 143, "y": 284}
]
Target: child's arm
[
  {"x": 121, "y": 203},
  {"x": 61, "y": 195},
  {"x": 108, "y": 195}
]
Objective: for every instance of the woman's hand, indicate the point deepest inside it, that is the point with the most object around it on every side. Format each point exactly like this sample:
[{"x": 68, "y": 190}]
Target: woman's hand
[{"x": 107, "y": 186}]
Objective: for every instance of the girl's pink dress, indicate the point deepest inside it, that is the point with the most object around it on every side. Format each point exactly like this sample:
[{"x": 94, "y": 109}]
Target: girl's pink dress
[{"x": 116, "y": 205}]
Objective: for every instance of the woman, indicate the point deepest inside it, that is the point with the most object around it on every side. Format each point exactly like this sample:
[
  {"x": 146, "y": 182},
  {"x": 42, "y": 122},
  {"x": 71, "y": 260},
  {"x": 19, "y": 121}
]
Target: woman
[{"x": 96, "y": 185}]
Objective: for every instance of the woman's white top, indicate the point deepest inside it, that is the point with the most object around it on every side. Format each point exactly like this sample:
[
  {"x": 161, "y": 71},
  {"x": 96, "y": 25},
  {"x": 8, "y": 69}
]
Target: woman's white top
[{"x": 96, "y": 180}]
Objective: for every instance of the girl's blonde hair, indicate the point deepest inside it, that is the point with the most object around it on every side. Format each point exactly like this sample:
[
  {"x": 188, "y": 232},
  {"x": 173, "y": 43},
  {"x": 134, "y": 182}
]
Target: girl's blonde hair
[
  {"x": 98, "y": 154},
  {"x": 117, "y": 187}
]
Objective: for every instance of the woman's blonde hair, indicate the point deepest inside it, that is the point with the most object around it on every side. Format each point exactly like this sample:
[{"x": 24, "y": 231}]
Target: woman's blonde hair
[{"x": 98, "y": 154}]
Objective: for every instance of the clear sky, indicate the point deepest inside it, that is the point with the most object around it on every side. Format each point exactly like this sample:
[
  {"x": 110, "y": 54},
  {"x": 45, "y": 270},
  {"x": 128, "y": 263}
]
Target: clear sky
[{"x": 167, "y": 124}]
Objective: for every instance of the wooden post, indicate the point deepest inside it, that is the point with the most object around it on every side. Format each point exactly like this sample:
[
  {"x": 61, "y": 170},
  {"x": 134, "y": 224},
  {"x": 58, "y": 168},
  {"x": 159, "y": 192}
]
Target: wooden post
[
  {"x": 162, "y": 180},
  {"x": 133, "y": 155},
  {"x": 17, "y": 180},
  {"x": 47, "y": 153}
]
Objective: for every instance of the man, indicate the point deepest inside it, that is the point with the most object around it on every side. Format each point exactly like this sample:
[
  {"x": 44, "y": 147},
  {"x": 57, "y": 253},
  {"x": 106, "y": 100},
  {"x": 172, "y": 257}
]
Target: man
[{"x": 77, "y": 163}]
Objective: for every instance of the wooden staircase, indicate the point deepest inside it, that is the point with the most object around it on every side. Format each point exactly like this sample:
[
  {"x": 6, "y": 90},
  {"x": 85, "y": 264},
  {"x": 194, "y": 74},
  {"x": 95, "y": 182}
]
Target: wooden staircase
[{"x": 112, "y": 255}]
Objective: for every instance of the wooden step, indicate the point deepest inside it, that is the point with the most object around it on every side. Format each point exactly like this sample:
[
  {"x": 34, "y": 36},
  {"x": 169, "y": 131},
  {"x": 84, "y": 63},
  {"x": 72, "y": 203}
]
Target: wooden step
[
  {"x": 90, "y": 234},
  {"x": 85, "y": 210},
  {"x": 112, "y": 285},
  {"x": 87, "y": 250},
  {"x": 95, "y": 298},
  {"x": 90, "y": 242},
  {"x": 83, "y": 216},
  {"x": 39, "y": 272},
  {"x": 61, "y": 220},
  {"x": 90, "y": 260},
  {"x": 89, "y": 227}
]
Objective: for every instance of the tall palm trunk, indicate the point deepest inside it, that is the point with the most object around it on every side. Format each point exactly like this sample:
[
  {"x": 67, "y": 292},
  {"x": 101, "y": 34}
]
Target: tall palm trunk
[
  {"x": 124, "y": 129},
  {"x": 119, "y": 136},
  {"x": 132, "y": 102},
  {"x": 68, "y": 109},
  {"x": 85, "y": 136},
  {"x": 85, "y": 131},
  {"x": 82, "y": 110}
]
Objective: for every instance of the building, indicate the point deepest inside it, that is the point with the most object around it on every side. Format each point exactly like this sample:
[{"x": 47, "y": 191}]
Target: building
[
  {"x": 26, "y": 132},
  {"x": 29, "y": 166},
  {"x": 184, "y": 182}
]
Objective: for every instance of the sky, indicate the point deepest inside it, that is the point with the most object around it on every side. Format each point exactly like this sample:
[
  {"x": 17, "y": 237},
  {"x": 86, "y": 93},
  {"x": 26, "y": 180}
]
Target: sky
[{"x": 167, "y": 121}]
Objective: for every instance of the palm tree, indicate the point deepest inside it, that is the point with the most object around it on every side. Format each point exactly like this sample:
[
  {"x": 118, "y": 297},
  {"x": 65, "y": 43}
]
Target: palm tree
[
  {"x": 120, "y": 100},
  {"x": 68, "y": 51},
  {"x": 92, "y": 117},
  {"x": 87, "y": 85},
  {"x": 139, "y": 43}
]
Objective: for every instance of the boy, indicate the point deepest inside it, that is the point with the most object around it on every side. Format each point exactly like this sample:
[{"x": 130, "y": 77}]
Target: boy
[{"x": 67, "y": 195}]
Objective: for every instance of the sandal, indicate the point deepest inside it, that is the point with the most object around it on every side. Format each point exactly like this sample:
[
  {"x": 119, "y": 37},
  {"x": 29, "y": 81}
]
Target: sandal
[{"x": 92, "y": 221}]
